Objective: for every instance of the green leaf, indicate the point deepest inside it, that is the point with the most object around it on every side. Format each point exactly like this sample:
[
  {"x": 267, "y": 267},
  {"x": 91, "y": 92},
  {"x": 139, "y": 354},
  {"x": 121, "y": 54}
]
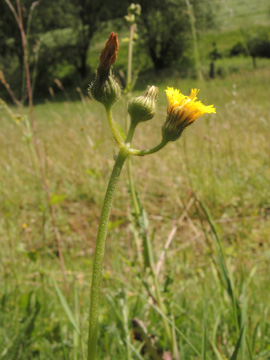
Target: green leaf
[
  {"x": 33, "y": 255},
  {"x": 114, "y": 224},
  {"x": 94, "y": 173},
  {"x": 218, "y": 355},
  {"x": 237, "y": 347},
  {"x": 56, "y": 199},
  {"x": 66, "y": 308}
]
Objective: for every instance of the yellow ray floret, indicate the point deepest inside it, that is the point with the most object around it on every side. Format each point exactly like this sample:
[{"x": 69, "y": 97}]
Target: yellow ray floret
[{"x": 185, "y": 108}]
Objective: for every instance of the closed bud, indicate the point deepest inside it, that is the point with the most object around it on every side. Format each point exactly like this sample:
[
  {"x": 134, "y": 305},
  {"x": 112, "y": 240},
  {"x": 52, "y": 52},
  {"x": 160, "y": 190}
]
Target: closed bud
[
  {"x": 108, "y": 55},
  {"x": 135, "y": 9},
  {"x": 143, "y": 108},
  {"x": 105, "y": 88}
]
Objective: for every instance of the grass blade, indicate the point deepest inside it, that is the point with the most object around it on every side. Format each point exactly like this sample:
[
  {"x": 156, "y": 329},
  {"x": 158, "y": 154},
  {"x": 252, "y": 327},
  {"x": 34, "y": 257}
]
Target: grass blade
[
  {"x": 204, "y": 333},
  {"x": 66, "y": 308},
  {"x": 226, "y": 274},
  {"x": 237, "y": 347},
  {"x": 218, "y": 355}
]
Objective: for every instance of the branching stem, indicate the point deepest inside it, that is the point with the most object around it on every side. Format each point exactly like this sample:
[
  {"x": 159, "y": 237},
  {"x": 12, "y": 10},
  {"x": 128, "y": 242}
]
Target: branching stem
[{"x": 114, "y": 129}]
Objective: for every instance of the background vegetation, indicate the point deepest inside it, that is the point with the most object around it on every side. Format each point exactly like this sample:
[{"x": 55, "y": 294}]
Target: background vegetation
[{"x": 209, "y": 192}]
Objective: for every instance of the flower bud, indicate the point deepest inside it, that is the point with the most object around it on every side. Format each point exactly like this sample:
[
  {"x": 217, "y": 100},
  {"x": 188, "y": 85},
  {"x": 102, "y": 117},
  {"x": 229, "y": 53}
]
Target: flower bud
[
  {"x": 108, "y": 55},
  {"x": 135, "y": 9},
  {"x": 143, "y": 108},
  {"x": 105, "y": 88}
]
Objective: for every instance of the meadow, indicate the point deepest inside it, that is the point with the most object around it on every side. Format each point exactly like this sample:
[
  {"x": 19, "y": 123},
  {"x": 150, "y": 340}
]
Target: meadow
[
  {"x": 221, "y": 163},
  {"x": 193, "y": 258}
]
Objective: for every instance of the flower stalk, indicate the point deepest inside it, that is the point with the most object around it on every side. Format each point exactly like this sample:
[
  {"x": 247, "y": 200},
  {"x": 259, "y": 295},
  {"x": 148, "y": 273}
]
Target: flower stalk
[{"x": 99, "y": 254}]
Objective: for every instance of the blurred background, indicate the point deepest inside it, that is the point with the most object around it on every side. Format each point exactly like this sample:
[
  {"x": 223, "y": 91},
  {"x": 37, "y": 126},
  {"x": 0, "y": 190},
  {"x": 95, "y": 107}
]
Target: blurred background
[{"x": 203, "y": 39}]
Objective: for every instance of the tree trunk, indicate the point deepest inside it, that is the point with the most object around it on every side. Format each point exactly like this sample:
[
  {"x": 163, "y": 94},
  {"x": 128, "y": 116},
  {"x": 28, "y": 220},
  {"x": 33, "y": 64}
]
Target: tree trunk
[
  {"x": 83, "y": 65},
  {"x": 212, "y": 70},
  {"x": 158, "y": 61},
  {"x": 254, "y": 62}
]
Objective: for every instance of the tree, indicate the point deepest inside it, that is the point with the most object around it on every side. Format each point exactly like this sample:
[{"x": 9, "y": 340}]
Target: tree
[
  {"x": 59, "y": 37},
  {"x": 38, "y": 18},
  {"x": 90, "y": 16},
  {"x": 163, "y": 29},
  {"x": 166, "y": 28},
  {"x": 259, "y": 47},
  {"x": 255, "y": 45}
]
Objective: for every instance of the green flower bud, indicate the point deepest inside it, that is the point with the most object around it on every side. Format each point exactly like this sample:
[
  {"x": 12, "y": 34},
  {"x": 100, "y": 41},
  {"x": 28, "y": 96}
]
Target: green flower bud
[
  {"x": 143, "y": 108},
  {"x": 135, "y": 9},
  {"x": 105, "y": 88}
]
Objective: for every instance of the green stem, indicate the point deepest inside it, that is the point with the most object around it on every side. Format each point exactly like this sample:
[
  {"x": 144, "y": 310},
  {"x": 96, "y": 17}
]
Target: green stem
[
  {"x": 132, "y": 124},
  {"x": 130, "y": 132},
  {"x": 99, "y": 254},
  {"x": 132, "y": 189},
  {"x": 123, "y": 145},
  {"x": 149, "y": 151},
  {"x": 130, "y": 178},
  {"x": 159, "y": 300},
  {"x": 130, "y": 53},
  {"x": 148, "y": 242},
  {"x": 194, "y": 35},
  {"x": 114, "y": 129}
]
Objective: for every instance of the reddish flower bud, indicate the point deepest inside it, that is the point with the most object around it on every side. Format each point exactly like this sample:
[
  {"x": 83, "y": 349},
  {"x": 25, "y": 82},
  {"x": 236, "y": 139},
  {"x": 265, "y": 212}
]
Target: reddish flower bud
[
  {"x": 109, "y": 53},
  {"x": 105, "y": 88}
]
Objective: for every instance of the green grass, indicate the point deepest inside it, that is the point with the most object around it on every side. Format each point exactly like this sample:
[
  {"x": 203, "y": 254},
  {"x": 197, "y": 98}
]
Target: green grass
[
  {"x": 223, "y": 159},
  {"x": 242, "y": 13}
]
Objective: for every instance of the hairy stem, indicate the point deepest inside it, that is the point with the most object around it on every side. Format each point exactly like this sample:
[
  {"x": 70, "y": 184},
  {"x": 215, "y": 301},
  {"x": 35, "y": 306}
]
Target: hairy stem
[
  {"x": 130, "y": 178},
  {"x": 149, "y": 151},
  {"x": 130, "y": 53},
  {"x": 99, "y": 254},
  {"x": 114, "y": 129}
]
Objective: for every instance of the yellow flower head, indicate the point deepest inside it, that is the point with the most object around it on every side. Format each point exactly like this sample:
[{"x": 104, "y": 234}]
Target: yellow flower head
[{"x": 182, "y": 111}]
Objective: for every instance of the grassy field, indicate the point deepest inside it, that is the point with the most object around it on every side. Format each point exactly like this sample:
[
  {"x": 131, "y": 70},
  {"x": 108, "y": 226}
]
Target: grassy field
[
  {"x": 205, "y": 209},
  {"x": 214, "y": 279}
]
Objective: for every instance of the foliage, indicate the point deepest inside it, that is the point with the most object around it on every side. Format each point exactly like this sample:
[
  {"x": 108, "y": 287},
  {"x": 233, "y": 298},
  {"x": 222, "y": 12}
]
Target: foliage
[
  {"x": 159, "y": 20},
  {"x": 238, "y": 49},
  {"x": 62, "y": 33},
  {"x": 259, "y": 47},
  {"x": 256, "y": 45},
  {"x": 165, "y": 29},
  {"x": 88, "y": 15},
  {"x": 59, "y": 35}
]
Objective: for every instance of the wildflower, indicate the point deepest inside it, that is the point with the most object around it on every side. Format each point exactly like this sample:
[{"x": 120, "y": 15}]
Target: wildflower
[
  {"x": 105, "y": 88},
  {"x": 182, "y": 111},
  {"x": 18, "y": 117},
  {"x": 143, "y": 108}
]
